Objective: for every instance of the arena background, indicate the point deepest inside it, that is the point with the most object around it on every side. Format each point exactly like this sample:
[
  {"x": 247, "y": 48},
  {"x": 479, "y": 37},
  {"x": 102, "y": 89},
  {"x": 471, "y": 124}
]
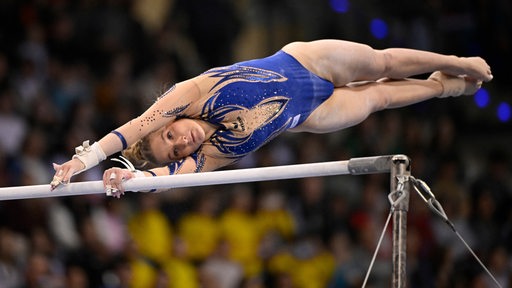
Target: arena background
[{"x": 75, "y": 70}]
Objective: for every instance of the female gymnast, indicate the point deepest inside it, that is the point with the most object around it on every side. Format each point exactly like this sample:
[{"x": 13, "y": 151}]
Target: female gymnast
[{"x": 220, "y": 116}]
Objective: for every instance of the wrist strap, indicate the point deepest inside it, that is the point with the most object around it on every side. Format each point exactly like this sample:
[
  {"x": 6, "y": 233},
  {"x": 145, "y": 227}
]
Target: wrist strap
[{"x": 89, "y": 155}]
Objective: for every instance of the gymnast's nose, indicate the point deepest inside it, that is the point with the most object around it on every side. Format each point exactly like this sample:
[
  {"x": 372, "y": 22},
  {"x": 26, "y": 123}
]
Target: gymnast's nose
[{"x": 182, "y": 141}]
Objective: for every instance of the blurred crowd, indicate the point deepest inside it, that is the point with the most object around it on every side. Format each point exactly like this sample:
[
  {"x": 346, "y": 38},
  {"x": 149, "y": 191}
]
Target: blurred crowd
[{"x": 75, "y": 70}]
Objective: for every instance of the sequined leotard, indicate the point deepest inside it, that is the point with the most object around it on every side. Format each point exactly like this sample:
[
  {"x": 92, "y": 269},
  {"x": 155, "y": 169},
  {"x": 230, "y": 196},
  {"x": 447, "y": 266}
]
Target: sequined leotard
[{"x": 254, "y": 101}]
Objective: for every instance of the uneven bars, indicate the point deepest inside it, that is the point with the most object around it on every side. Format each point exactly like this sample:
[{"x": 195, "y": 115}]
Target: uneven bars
[{"x": 354, "y": 166}]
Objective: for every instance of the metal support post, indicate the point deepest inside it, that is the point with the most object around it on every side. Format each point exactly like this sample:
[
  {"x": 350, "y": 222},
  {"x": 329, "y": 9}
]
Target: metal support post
[{"x": 400, "y": 172}]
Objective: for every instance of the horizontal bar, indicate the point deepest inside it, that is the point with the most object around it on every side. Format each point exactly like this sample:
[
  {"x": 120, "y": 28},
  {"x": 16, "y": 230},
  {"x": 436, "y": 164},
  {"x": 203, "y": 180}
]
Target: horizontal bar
[
  {"x": 372, "y": 165},
  {"x": 355, "y": 166}
]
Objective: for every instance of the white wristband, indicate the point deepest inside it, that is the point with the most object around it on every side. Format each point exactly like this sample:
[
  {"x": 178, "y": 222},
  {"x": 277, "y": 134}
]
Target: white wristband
[{"x": 89, "y": 155}]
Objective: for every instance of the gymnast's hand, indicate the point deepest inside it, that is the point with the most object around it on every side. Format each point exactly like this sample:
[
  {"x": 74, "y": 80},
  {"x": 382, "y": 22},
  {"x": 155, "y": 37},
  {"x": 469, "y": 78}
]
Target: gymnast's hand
[
  {"x": 113, "y": 179},
  {"x": 64, "y": 172}
]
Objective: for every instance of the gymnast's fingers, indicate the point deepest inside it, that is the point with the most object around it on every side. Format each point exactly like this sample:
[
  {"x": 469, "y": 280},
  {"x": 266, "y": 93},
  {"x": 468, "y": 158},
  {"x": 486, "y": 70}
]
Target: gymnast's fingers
[
  {"x": 112, "y": 181},
  {"x": 118, "y": 177},
  {"x": 66, "y": 175},
  {"x": 54, "y": 183},
  {"x": 108, "y": 183},
  {"x": 111, "y": 191},
  {"x": 114, "y": 191},
  {"x": 107, "y": 176},
  {"x": 56, "y": 178},
  {"x": 61, "y": 176},
  {"x": 117, "y": 194}
]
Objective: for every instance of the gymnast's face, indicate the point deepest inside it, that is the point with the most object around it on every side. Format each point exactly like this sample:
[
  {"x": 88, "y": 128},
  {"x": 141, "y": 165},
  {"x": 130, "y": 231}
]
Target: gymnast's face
[{"x": 176, "y": 140}]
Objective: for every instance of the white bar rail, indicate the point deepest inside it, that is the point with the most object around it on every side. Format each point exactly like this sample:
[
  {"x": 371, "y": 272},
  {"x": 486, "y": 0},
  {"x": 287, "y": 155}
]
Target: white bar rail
[{"x": 354, "y": 166}]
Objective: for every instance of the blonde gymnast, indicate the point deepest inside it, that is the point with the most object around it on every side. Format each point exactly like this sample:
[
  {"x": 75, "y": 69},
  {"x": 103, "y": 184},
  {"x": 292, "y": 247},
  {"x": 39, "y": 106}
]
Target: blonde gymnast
[{"x": 220, "y": 116}]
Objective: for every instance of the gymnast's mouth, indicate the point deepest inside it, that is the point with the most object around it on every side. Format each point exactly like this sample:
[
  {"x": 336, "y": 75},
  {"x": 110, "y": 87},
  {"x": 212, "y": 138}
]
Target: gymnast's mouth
[{"x": 192, "y": 137}]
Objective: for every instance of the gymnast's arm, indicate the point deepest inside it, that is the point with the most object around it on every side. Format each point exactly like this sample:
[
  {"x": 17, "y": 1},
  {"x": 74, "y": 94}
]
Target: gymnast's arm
[
  {"x": 165, "y": 109},
  {"x": 201, "y": 163},
  {"x": 113, "y": 178}
]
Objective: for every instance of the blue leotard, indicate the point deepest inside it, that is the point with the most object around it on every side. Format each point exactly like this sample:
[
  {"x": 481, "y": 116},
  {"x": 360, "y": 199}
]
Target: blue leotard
[
  {"x": 252, "y": 102},
  {"x": 256, "y": 100}
]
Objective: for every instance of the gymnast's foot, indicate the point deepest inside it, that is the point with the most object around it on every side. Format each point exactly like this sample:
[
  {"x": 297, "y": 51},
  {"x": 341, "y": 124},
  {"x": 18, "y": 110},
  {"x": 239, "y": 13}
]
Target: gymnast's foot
[
  {"x": 472, "y": 67},
  {"x": 455, "y": 85}
]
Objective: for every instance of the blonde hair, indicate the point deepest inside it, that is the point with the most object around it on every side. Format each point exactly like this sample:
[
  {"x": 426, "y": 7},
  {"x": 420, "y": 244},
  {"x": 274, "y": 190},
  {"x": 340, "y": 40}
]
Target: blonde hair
[{"x": 140, "y": 154}]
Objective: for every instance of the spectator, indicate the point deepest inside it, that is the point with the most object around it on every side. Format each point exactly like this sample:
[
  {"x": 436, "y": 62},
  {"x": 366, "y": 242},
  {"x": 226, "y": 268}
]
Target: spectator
[
  {"x": 200, "y": 229},
  {"x": 151, "y": 231},
  {"x": 240, "y": 231}
]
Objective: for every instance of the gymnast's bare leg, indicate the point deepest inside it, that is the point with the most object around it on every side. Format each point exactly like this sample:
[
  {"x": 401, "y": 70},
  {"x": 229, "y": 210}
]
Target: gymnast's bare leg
[
  {"x": 350, "y": 105},
  {"x": 342, "y": 62}
]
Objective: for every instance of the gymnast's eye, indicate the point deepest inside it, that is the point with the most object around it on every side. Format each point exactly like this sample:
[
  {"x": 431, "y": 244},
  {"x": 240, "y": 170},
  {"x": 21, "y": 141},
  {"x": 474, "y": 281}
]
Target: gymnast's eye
[
  {"x": 175, "y": 152},
  {"x": 169, "y": 135}
]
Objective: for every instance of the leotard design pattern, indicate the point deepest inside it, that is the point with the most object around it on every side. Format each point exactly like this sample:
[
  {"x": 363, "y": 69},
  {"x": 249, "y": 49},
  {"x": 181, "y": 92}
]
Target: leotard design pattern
[{"x": 254, "y": 101}]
